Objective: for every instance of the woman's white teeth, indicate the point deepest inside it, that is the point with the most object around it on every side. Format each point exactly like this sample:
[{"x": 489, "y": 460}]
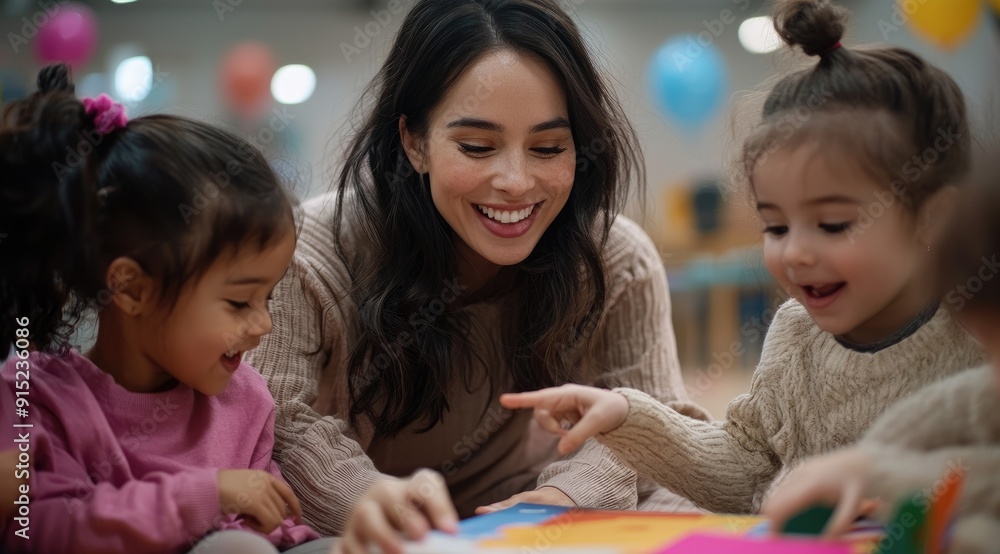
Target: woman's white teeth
[{"x": 506, "y": 216}]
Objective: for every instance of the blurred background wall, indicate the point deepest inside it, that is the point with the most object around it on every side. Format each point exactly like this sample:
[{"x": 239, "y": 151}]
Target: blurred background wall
[{"x": 176, "y": 56}]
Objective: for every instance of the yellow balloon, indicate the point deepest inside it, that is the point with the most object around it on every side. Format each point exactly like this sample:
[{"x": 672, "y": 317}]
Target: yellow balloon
[{"x": 944, "y": 22}]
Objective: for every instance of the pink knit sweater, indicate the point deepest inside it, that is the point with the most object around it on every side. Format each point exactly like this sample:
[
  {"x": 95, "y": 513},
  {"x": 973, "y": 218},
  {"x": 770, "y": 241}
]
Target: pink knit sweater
[{"x": 117, "y": 471}]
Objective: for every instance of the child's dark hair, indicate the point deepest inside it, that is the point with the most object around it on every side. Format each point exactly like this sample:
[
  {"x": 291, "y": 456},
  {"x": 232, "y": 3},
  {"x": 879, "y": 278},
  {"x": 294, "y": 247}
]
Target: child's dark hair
[
  {"x": 968, "y": 257},
  {"x": 169, "y": 192},
  {"x": 903, "y": 119}
]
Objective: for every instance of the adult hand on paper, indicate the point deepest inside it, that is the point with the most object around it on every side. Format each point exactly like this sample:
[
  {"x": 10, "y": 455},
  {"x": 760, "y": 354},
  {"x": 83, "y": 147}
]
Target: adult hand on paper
[
  {"x": 544, "y": 495},
  {"x": 588, "y": 410},
  {"x": 838, "y": 479},
  {"x": 394, "y": 510}
]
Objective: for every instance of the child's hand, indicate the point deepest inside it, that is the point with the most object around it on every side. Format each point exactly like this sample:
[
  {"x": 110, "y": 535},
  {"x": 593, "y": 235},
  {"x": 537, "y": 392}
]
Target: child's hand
[
  {"x": 543, "y": 495},
  {"x": 9, "y": 487},
  {"x": 410, "y": 507},
  {"x": 838, "y": 479},
  {"x": 590, "y": 411},
  {"x": 264, "y": 500}
]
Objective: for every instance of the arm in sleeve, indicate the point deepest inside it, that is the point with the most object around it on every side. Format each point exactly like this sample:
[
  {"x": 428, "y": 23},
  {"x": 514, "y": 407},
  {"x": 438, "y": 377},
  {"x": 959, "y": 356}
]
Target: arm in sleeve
[
  {"x": 720, "y": 466},
  {"x": 947, "y": 426},
  {"x": 896, "y": 473},
  {"x": 327, "y": 468},
  {"x": 635, "y": 347}
]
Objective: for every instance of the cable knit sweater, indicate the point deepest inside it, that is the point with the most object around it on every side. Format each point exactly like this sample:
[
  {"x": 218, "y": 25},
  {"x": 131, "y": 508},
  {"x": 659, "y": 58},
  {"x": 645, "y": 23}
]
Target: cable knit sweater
[
  {"x": 951, "y": 424},
  {"x": 810, "y": 394},
  {"x": 485, "y": 452}
]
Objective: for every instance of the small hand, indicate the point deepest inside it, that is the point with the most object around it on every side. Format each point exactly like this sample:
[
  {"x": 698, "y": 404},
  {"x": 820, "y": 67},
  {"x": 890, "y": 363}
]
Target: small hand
[
  {"x": 545, "y": 495},
  {"x": 410, "y": 507},
  {"x": 590, "y": 411},
  {"x": 838, "y": 479},
  {"x": 263, "y": 499}
]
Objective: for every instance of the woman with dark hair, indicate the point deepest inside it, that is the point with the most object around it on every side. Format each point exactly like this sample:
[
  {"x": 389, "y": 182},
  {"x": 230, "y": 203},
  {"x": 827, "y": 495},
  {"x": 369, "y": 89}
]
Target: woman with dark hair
[{"x": 472, "y": 247}]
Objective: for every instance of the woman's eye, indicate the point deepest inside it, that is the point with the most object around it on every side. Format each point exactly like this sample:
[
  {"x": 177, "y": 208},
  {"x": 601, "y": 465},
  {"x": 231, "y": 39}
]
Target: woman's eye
[
  {"x": 474, "y": 149},
  {"x": 549, "y": 150},
  {"x": 835, "y": 227},
  {"x": 238, "y": 305},
  {"x": 776, "y": 230}
]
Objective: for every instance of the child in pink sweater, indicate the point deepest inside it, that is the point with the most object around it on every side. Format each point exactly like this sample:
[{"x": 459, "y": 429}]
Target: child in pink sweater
[{"x": 159, "y": 438}]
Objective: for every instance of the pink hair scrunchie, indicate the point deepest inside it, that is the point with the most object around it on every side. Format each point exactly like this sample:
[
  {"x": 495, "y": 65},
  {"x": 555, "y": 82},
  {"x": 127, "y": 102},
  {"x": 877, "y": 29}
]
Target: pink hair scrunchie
[{"x": 108, "y": 115}]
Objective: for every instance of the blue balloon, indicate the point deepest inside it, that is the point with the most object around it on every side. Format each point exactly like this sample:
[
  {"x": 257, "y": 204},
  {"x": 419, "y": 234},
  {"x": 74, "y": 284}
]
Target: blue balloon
[{"x": 688, "y": 81}]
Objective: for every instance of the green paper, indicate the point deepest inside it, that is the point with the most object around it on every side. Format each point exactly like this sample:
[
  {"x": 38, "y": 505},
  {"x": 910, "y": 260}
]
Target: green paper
[
  {"x": 810, "y": 521},
  {"x": 904, "y": 534}
]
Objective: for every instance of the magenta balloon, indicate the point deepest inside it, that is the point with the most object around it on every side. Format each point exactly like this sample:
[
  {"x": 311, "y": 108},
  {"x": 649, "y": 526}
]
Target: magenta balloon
[{"x": 69, "y": 35}]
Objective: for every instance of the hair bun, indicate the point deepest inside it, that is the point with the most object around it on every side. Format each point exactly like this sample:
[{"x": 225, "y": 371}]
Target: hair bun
[
  {"x": 55, "y": 78},
  {"x": 815, "y": 25}
]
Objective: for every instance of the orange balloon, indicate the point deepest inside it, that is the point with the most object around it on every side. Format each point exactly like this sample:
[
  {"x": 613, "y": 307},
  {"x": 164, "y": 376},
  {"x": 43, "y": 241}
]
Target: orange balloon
[
  {"x": 996, "y": 5},
  {"x": 944, "y": 22},
  {"x": 246, "y": 74}
]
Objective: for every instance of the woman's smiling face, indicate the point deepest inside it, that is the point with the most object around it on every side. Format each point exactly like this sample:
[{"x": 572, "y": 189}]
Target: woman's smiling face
[{"x": 499, "y": 156}]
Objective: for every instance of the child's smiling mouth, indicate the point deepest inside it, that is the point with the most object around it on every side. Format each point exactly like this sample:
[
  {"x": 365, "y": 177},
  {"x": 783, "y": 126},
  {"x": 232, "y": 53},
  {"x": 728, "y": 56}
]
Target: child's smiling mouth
[
  {"x": 822, "y": 291},
  {"x": 817, "y": 297}
]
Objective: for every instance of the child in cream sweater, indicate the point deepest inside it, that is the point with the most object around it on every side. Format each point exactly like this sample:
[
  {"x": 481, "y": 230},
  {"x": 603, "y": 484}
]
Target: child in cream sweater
[
  {"x": 953, "y": 424},
  {"x": 865, "y": 327}
]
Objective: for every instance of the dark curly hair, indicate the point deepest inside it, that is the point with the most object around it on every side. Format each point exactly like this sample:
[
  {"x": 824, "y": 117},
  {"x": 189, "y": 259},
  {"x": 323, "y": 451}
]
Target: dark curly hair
[{"x": 171, "y": 193}]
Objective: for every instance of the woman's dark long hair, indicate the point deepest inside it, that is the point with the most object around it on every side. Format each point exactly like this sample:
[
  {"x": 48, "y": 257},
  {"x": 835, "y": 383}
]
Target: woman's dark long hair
[{"x": 399, "y": 372}]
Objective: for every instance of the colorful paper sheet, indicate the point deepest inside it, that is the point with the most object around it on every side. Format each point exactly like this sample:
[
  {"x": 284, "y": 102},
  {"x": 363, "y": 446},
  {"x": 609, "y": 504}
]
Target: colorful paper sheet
[
  {"x": 721, "y": 544},
  {"x": 560, "y": 530}
]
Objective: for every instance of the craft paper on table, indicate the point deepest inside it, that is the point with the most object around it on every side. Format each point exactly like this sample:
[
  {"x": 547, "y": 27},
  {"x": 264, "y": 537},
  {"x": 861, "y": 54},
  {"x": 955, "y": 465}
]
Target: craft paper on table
[
  {"x": 560, "y": 530},
  {"x": 721, "y": 544},
  {"x": 563, "y": 530}
]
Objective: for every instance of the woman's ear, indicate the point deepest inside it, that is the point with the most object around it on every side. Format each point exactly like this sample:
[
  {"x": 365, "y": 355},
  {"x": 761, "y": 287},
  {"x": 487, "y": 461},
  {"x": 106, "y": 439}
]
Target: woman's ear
[
  {"x": 935, "y": 214},
  {"x": 132, "y": 289},
  {"x": 413, "y": 145}
]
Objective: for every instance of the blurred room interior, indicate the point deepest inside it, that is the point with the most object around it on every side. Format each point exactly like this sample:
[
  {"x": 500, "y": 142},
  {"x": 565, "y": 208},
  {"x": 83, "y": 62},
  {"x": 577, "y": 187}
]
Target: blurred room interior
[{"x": 288, "y": 74}]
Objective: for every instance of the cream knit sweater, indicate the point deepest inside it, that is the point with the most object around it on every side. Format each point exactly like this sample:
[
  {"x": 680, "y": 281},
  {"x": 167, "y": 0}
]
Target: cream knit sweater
[
  {"x": 951, "y": 424},
  {"x": 809, "y": 395},
  {"x": 485, "y": 452}
]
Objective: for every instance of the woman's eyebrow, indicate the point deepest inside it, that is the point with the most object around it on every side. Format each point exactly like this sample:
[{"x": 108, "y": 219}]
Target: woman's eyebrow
[
  {"x": 555, "y": 123},
  {"x": 476, "y": 123}
]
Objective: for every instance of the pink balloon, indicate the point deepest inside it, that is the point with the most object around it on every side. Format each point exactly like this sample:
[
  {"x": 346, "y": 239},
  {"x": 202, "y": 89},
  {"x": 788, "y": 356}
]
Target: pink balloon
[{"x": 69, "y": 35}]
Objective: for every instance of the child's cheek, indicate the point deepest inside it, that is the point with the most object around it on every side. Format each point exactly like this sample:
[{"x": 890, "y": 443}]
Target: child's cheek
[{"x": 772, "y": 261}]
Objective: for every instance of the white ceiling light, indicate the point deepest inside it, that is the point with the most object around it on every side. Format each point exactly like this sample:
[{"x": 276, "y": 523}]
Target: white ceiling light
[
  {"x": 293, "y": 84},
  {"x": 758, "y": 36},
  {"x": 134, "y": 78}
]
